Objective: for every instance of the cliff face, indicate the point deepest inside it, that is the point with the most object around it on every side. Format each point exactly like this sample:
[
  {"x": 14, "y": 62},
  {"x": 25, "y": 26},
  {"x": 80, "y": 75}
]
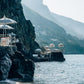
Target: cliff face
[{"x": 24, "y": 29}]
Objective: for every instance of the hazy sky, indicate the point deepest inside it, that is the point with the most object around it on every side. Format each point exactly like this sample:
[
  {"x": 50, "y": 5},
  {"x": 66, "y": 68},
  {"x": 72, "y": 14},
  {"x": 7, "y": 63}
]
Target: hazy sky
[{"x": 70, "y": 8}]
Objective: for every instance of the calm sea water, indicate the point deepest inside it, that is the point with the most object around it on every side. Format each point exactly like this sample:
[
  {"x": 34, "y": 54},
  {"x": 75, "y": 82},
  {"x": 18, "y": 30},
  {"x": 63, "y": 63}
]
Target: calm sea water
[{"x": 69, "y": 72}]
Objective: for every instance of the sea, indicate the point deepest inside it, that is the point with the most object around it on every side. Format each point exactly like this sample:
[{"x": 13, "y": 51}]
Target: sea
[{"x": 69, "y": 72}]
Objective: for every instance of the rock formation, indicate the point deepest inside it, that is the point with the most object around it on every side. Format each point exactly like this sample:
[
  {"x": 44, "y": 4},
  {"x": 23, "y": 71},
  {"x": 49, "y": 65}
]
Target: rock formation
[
  {"x": 22, "y": 69},
  {"x": 15, "y": 66},
  {"x": 5, "y": 64},
  {"x": 14, "y": 61},
  {"x": 24, "y": 28}
]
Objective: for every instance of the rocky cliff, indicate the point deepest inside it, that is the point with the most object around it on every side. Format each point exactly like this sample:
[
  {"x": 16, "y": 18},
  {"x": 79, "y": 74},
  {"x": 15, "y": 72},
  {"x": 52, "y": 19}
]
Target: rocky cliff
[
  {"x": 24, "y": 28},
  {"x": 15, "y": 66},
  {"x": 14, "y": 62}
]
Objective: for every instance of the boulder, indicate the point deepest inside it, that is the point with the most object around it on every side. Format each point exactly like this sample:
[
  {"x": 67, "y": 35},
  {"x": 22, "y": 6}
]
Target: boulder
[
  {"x": 22, "y": 69},
  {"x": 21, "y": 48},
  {"x": 14, "y": 65},
  {"x": 5, "y": 65}
]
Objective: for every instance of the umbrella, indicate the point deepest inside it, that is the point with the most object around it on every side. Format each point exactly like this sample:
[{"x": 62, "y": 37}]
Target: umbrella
[
  {"x": 60, "y": 45},
  {"x": 52, "y": 45},
  {"x": 38, "y": 51},
  {"x": 46, "y": 47},
  {"x": 6, "y": 20},
  {"x": 5, "y": 27}
]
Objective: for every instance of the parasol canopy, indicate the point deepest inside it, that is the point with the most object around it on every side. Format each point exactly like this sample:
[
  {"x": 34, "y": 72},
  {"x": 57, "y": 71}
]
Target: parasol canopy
[
  {"x": 46, "y": 47},
  {"x": 52, "y": 45},
  {"x": 60, "y": 45},
  {"x": 5, "y": 21},
  {"x": 38, "y": 51},
  {"x": 6, "y": 27}
]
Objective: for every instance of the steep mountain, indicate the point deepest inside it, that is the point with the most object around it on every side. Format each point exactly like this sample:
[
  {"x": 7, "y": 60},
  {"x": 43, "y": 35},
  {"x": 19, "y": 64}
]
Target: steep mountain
[
  {"x": 24, "y": 28},
  {"x": 71, "y": 26},
  {"x": 49, "y": 32},
  {"x": 39, "y": 7}
]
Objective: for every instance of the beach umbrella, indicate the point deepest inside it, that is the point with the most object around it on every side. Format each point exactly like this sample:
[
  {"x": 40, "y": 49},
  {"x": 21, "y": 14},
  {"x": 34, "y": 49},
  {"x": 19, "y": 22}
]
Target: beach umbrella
[
  {"x": 60, "y": 45},
  {"x": 52, "y": 45},
  {"x": 46, "y": 47},
  {"x": 4, "y": 27},
  {"x": 5, "y": 21},
  {"x": 38, "y": 51}
]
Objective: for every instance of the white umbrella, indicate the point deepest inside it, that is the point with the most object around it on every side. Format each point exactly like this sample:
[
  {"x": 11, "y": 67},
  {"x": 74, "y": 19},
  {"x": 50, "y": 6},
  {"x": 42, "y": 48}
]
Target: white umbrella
[
  {"x": 52, "y": 45},
  {"x": 46, "y": 47},
  {"x": 60, "y": 45},
  {"x": 38, "y": 51},
  {"x": 5, "y": 27},
  {"x": 5, "y": 20}
]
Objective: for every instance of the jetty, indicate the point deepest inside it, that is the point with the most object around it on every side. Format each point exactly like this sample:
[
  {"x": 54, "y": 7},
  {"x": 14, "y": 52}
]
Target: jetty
[{"x": 50, "y": 53}]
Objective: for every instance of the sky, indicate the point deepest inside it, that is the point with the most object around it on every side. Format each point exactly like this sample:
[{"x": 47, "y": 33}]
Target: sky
[{"x": 69, "y": 8}]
